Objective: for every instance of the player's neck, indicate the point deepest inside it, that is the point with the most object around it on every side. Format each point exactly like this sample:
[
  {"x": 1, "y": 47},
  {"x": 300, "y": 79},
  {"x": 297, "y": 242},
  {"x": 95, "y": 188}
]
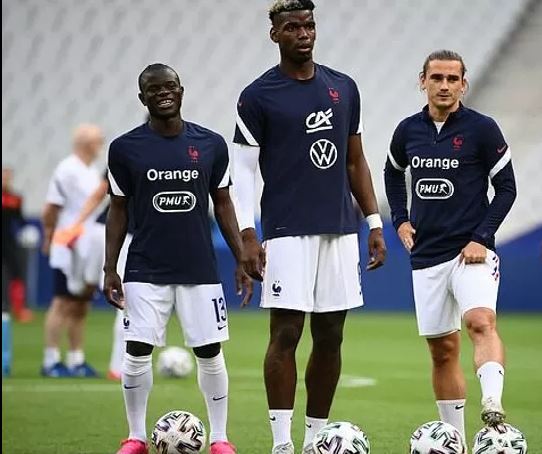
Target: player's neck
[
  {"x": 172, "y": 126},
  {"x": 439, "y": 115},
  {"x": 298, "y": 71}
]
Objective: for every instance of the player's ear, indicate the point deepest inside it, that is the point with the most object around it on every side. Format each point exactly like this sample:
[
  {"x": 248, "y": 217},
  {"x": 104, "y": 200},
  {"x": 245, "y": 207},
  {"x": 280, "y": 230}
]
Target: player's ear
[
  {"x": 273, "y": 35},
  {"x": 142, "y": 98}
]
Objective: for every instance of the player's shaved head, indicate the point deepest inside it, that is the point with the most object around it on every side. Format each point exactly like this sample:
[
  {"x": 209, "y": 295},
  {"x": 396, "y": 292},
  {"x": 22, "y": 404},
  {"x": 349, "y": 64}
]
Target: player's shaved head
[
  {"x": 86, "y": 133},
  {"x": 285, "y": 6},
  {"x": 154, "y": 68}
]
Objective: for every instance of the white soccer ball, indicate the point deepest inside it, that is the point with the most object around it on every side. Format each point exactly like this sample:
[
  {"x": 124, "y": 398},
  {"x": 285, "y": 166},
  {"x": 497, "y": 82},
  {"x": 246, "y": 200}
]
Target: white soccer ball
[
  {"x": 179, "y": 432},
  {"x": 341, "y": 438},
  {"x": 501, "y": 439},
  {"x": 437, "y": 437},
  {"x": 175, "y": 362}
]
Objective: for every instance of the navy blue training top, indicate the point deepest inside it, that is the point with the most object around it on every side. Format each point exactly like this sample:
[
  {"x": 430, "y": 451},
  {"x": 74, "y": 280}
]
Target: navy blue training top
[
  {"x": 302, "y": 128},
  {"x": 169, "y": 180},
  {"x": 450, "y": 172}
]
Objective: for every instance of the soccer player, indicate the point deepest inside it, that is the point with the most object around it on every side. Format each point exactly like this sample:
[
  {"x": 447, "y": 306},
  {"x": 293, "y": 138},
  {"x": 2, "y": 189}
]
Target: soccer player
[
  {"x": 301, "y": 121},
  {"x": 452, "y": 151},
  {"x": 70, "y": 235},
  {"x": 169, "y": 167},
  {"x": 75, "y": 274}
]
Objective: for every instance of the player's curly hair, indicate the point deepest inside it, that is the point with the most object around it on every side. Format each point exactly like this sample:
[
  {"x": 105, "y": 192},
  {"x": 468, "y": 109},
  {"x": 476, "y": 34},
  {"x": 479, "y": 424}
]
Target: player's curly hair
[{"x": 282, "y": 6}]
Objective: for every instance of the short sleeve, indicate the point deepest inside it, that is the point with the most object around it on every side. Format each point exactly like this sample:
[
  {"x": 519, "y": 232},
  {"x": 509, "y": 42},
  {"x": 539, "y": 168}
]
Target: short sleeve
[
  {"x": 495, "y": 150},
  {"x": 356, "y": 122},
  {"x": 56, "y": 191},
  {"x": 120, "y": 182},
  {"x": 220, "y": 176},
  {"x": 250, "y": 120}
]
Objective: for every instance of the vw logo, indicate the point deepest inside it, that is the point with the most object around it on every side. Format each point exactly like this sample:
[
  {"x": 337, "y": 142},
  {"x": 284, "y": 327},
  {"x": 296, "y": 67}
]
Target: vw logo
[{"x": 323, "y": 153}]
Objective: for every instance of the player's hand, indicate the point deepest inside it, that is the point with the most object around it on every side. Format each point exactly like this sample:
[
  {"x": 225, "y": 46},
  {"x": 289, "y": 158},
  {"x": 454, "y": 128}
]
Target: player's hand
[
  {"x": 243, "y": 281},
  {"x": 69, "y": 235},
  {"x": 113, "y": 289},
  {"x": 406, "y": 234},
  {"x": 377, "y": 249},
  {"x": 254, "y": 262},
  {"x": 473, "y": 253}
]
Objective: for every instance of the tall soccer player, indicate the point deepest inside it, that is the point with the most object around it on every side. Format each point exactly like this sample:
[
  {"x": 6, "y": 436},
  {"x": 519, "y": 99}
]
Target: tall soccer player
[
  {"x": 169, "y": 167},
  {"x": 302, "y": 122},
  {"x": 452, "y": 152}
]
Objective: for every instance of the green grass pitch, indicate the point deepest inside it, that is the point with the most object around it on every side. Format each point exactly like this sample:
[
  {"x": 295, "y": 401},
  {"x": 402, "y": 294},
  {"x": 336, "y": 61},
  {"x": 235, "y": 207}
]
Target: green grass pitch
[{"x": 86, "y": 416}]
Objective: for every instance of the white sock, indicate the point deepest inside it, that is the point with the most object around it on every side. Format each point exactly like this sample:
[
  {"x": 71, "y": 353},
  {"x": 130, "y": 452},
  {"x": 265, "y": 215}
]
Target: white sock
[
  {"x": 213, "y": 383},
  {"x": 136, "y": 386},
  {"x": 281, "y": 424},
  {"x": 312, "y": 427},
  {"x": 491, "y": 375},
  {"x": 51, "y": 356},
  {"x": 453, "y": 412},
  {"x": 119, "y": 346},
  {"x": 75, "y": 358}
]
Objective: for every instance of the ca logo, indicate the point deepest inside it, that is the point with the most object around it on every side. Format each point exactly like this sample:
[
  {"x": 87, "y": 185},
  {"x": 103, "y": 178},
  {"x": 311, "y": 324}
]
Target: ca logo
[
  {"x": 319, "y": 121},
  {"x": 323, "y": 153}
]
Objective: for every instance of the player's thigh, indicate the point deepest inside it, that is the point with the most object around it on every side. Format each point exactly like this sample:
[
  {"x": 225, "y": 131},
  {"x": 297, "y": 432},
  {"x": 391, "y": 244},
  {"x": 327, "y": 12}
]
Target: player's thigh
[
  {"x": 437, "y": 312},
  {"x": 477, "y": 284},
  {"x": 290, "y": 273},
  {"x": 202, "y": 313},
  {"x": 147, "y": 311},
  {"x": 338, "y": 277}
]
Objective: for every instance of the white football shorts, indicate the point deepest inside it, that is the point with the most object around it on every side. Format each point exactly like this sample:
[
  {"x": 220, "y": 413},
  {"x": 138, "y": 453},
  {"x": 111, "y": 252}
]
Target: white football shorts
[
  {"x": 201, "y": 311},
  {"x": 312, "y": 273},
  {"x": 444, "y": 292}
]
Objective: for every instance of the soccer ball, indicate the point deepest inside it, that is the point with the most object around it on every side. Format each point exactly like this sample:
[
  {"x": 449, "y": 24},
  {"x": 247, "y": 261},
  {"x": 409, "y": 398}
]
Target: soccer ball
[
  {"x": 501, "y": 439},
  {"x": 179, "y": 432},
  {"x": 175, "y": 362},
  {"x": 437, "y": 437},
  {"x": 341, "y": 438}
]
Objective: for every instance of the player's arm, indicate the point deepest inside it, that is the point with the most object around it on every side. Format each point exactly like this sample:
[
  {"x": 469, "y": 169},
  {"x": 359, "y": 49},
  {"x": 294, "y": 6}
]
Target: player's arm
[
  {"x": 245, "y": 164},
  {"x": 49, "y": 219},
  {"x": 498, "y": 158},
  {"x": 225, "y": 217},
  {"x": 116, "y": 227},
  {"x": 394, "y": 179},
  {"x": 361, "y": 185},
  {"x": 93, "y": 202}
]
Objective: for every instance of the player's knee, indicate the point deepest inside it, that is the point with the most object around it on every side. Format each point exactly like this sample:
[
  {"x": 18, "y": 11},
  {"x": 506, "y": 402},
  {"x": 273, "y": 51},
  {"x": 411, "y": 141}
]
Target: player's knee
[
  {"x": 286, "y": 337},
  {"x": 136, "y": 365},
  {"x": 480, "y": 322},
  {"x": 330, "y": 340},
  {"x": 207, "y": 351},
  {"x": 134, "y": 348},
  {"x": 444, "y": 351}
]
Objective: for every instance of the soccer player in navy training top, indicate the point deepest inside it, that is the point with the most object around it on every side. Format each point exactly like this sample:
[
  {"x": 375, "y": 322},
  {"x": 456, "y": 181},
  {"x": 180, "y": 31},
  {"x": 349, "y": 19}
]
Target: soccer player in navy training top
[
  {"x": 301, "y": 120},
  {"x": 169, "y": 167},
  {"x": 452, "y": 151}
]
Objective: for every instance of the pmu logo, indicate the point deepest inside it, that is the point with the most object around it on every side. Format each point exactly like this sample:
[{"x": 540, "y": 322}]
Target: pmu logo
[
  {"x": 319, "y": 121},
  {"x": 174, "y": 201},
  {"x": 323, "y": 153},
  {"x": 434, "y": 188}
]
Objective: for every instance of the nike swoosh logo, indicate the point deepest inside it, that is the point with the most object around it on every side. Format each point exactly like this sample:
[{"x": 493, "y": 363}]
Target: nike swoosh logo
[
  {"x": 131, "y": 387},
  {"x": 308, "y": 426},
  {"x": 501, "y": 372},
  {"x": 219, "y": 398},
  {"x": 459, "y": 407},
  {"x": 502, "y": 150},
  {"x": 273, "y": 418},
  {"x": 222, "y": 327}
]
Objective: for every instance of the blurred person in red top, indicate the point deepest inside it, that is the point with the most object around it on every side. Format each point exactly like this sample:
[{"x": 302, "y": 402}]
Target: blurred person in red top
[{"x": 13, "y": 287}]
